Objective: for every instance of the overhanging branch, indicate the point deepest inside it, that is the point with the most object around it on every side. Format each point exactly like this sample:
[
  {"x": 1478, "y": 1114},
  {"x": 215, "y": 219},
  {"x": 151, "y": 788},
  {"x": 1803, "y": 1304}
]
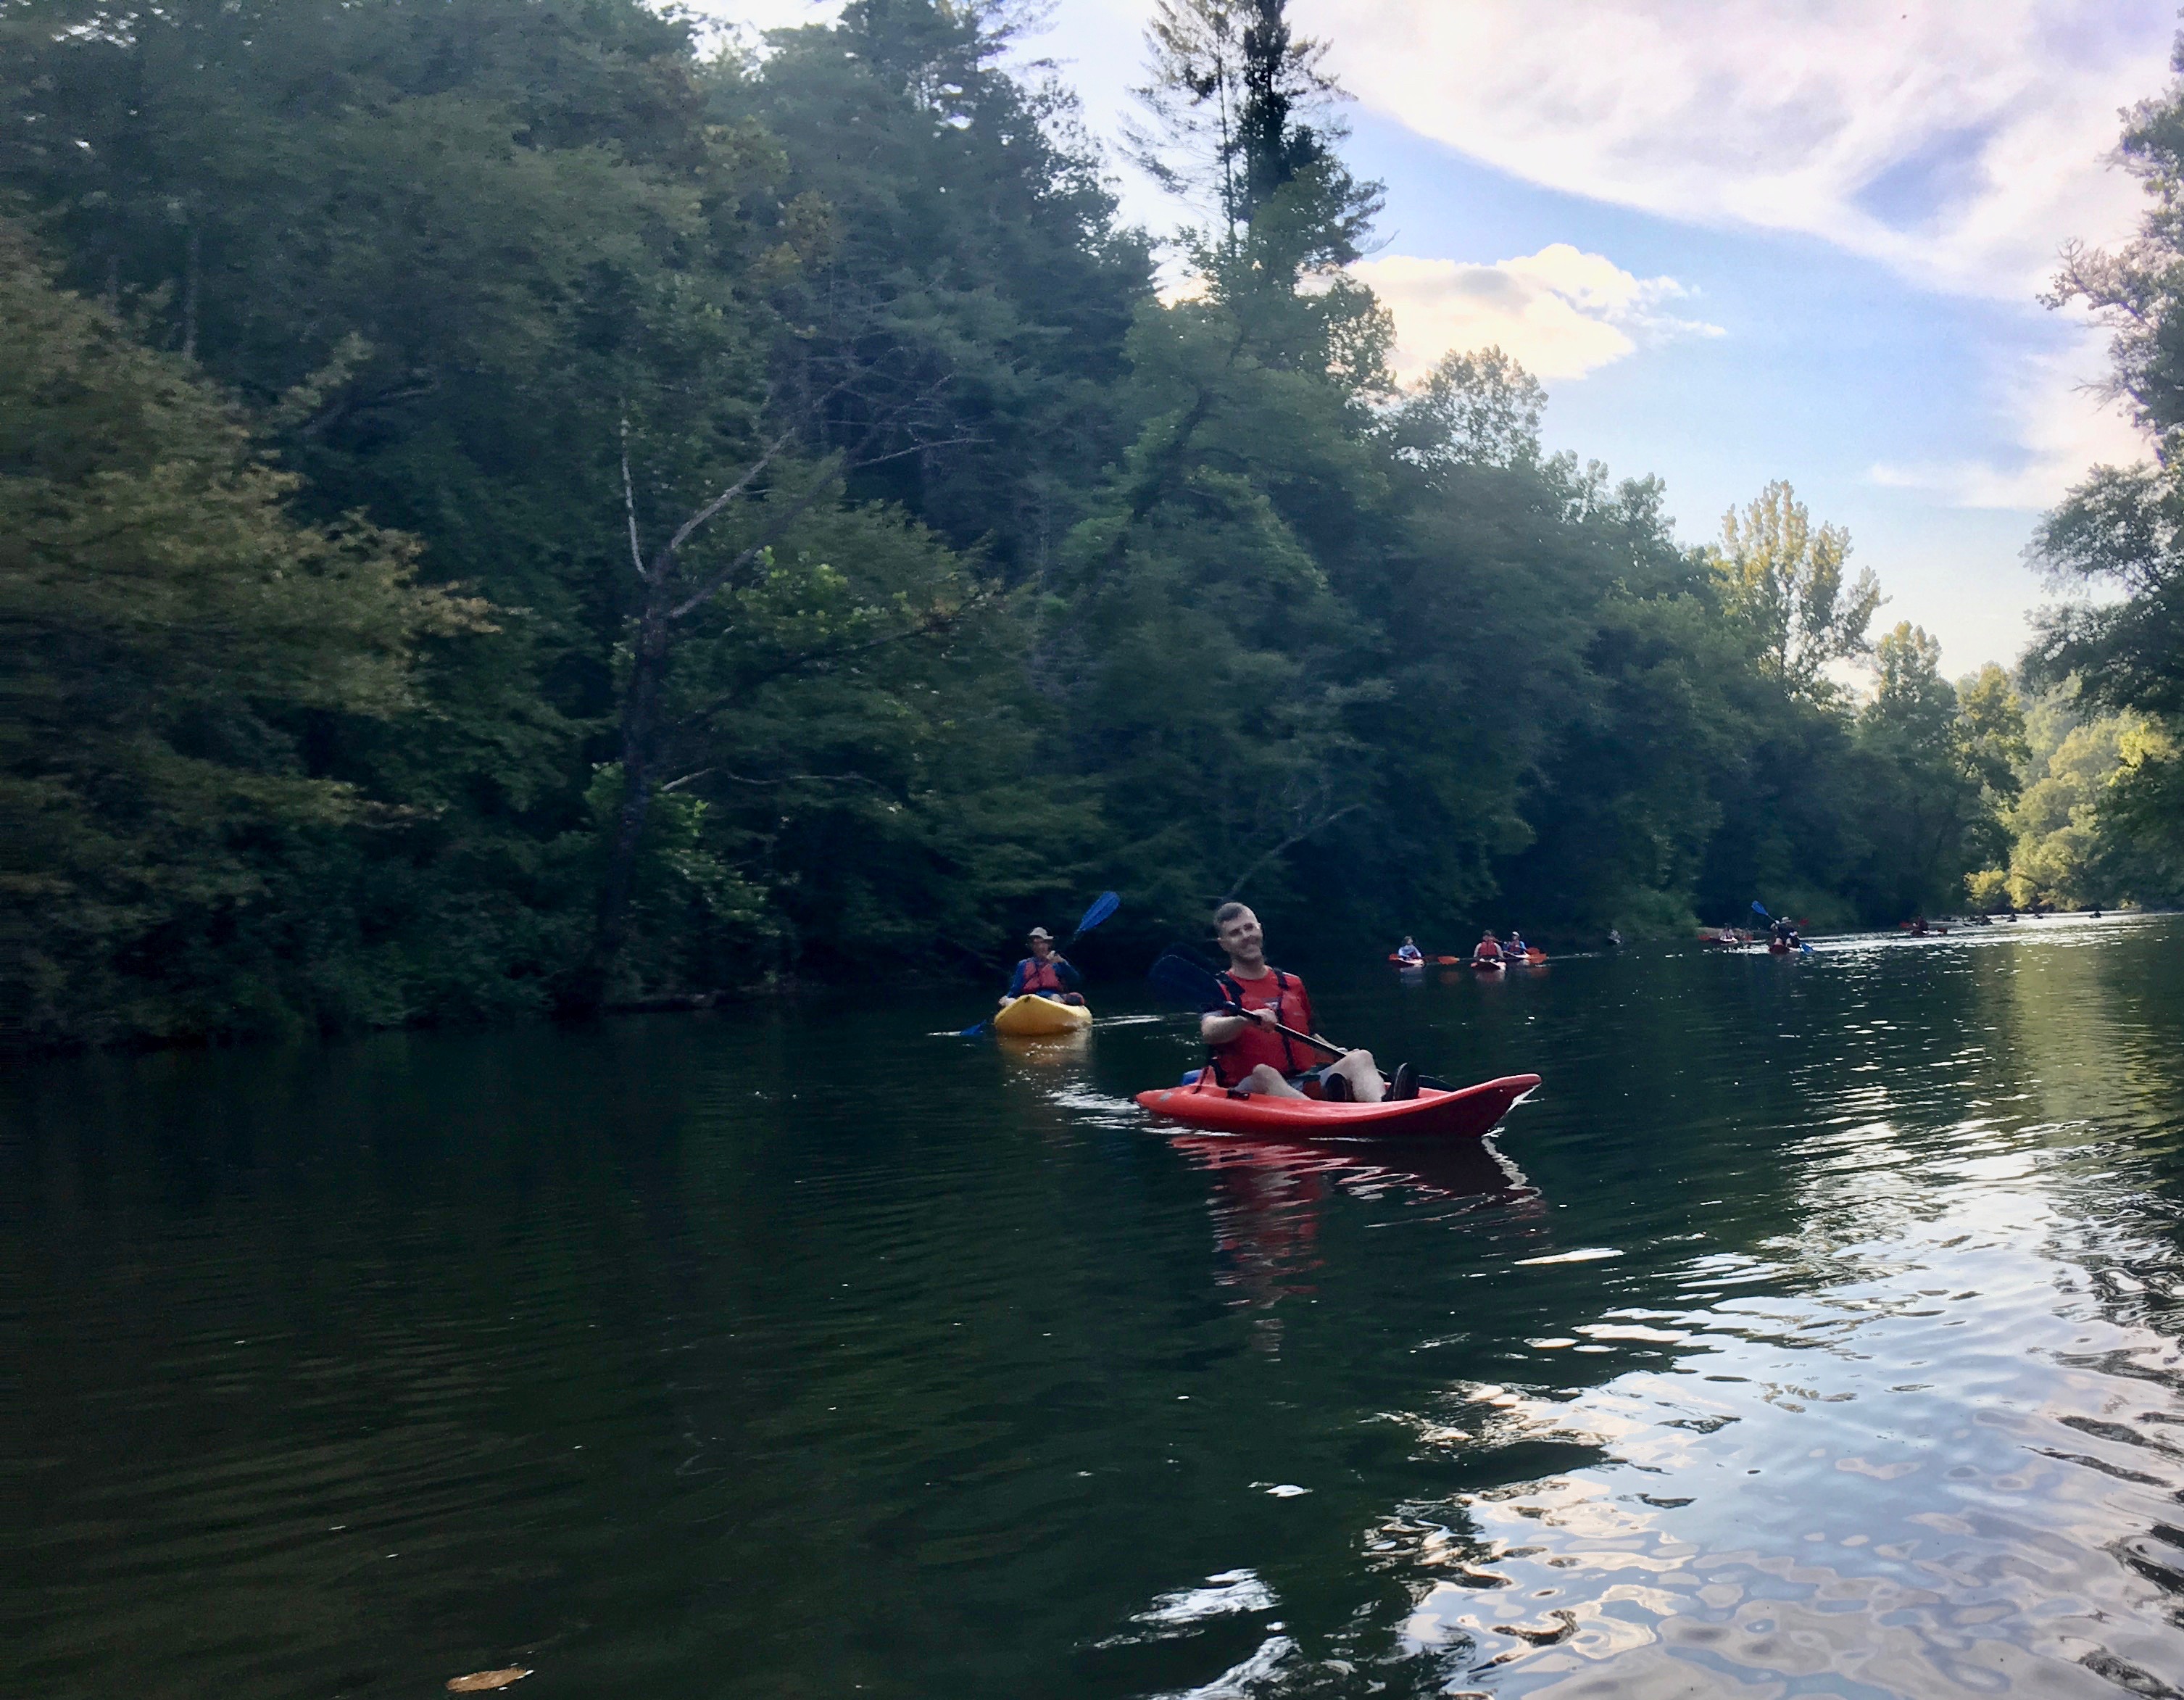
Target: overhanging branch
[{"x": 1288, "y": 843}]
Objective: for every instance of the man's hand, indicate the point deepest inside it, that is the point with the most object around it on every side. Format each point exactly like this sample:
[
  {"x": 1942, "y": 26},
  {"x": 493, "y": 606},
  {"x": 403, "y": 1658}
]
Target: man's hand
[{"x": 1219, "y": 1026}]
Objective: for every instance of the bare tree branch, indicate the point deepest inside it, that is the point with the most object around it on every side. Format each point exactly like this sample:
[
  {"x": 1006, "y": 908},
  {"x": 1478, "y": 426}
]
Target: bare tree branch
[
  {"x": 344, "y": 404},
  {"x": 629, "y": 502},
  {"x": 1289, "y": 843},
  {"x": 667, "y": 555},
  {"x": 783, "y": 520},
  {"x": 713, "y": 583},
  {"x": 785, "y": 779},
  {"x": 810, "y": 658}
]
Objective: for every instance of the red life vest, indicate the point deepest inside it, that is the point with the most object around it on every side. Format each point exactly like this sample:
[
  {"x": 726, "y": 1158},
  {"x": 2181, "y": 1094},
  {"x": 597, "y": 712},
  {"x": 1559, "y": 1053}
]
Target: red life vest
[
  {"x": 1038, "y": 976},
  {"x": 1284, "y": 995}
]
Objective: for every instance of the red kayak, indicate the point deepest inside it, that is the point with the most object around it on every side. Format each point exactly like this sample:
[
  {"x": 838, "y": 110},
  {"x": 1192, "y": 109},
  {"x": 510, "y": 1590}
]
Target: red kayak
[{"x": 1465, "y": 1114}]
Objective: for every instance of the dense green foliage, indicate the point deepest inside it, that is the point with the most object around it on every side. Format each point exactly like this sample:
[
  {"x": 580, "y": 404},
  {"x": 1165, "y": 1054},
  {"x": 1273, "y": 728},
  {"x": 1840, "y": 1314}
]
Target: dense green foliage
[
  {"x": 2075, "y": 838},
  {"x": 2109, "y": 808},
  {"x": 175, "y": 637},
  {"x": 506, "y": 514}
]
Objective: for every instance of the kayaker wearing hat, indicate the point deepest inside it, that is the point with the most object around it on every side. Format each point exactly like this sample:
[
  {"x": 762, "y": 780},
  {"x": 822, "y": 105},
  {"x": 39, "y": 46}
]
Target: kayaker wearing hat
[
  {"x": 1044, "y": 974},
  {"x": 1249, "y": 1055}
]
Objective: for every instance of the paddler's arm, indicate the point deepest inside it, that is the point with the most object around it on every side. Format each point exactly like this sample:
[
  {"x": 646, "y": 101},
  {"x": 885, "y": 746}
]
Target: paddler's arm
[
  {"x": 1217, "y": 1027},
  {"x": 1066, "y": 972}
]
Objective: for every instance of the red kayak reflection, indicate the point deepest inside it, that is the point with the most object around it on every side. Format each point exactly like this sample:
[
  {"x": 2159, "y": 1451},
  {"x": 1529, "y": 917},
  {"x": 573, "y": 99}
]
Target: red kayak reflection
[{"x": 1267, "y": 1195}]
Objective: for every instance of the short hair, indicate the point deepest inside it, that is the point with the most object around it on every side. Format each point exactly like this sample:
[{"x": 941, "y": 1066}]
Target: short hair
[{"x": 1228, "y": 912}]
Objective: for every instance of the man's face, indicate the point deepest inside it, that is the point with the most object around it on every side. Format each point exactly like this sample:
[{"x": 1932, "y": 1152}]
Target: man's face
[
  {"x": 1042, "y": 947},
  {"x": 1240, "y": 936}
]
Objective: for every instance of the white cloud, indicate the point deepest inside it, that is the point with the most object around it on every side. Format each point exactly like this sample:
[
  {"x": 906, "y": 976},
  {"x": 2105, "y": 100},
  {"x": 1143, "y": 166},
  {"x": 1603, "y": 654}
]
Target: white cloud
[
  {"x": 1560, "y": 313},
  {"x": 1960, "y": 141},
  {"x": 746, "y": 19},
  {"x": 2063, "y": 426},
  {"x": 776, "y": 14}
]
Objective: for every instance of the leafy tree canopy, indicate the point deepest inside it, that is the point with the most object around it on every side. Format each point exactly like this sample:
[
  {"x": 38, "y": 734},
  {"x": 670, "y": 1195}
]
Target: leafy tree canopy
[{"x": 503, "y": 513}]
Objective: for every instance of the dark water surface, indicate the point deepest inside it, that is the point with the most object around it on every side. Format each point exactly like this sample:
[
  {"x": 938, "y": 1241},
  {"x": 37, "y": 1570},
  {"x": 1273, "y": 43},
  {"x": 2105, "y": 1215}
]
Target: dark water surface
[{"x": 1815, "y": 1331}]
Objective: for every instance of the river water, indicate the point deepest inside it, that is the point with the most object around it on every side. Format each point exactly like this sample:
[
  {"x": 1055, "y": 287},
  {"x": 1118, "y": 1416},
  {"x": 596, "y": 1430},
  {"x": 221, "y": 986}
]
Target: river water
[{"x": 1813, "y": 1331}]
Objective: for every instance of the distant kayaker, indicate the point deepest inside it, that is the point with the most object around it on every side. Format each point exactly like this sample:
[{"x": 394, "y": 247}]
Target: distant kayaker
[
  {"x": 1784, "y": 932},
  {"x": 1249, "y": 1054},
  {"x": 1488, "y": 949},
  {"x": 1614, "y": 939},
  {"x": 1044, "y": 974},
  {"x": 1514, "y": 947},
  {"x": 1408, "y": 951}
]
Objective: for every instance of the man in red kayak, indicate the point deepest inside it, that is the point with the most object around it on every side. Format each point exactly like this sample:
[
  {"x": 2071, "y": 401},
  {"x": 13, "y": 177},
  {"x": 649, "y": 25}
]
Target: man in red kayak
[
  {"x": 1044, "y": 974},
  {"x": 1488, "y": 949},
  {"x": 1250, "y": 1055}
]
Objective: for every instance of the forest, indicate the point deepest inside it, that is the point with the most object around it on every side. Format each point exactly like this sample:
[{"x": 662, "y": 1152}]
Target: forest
[{"x": 509, "y": 511}]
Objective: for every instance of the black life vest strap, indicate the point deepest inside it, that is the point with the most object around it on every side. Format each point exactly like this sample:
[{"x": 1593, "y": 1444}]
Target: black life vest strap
[{"x": 1228, "y": 981}]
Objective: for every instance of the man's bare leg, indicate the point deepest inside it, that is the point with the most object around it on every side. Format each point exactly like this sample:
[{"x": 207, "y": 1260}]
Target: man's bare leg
[
  {"x": 1357, "y": 1067},
  {"x": 1268, "y": 1082}
]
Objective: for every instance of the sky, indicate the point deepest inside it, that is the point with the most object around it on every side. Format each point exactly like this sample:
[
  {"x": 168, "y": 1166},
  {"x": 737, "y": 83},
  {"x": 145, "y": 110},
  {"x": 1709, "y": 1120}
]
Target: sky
[{"x": 1742, "y": 240}]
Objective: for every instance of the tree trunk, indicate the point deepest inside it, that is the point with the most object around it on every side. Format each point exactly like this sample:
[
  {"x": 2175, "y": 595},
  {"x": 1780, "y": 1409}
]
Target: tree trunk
[
  {"x": 192, "y": 274},
  {"x": 640, "y": 716}
]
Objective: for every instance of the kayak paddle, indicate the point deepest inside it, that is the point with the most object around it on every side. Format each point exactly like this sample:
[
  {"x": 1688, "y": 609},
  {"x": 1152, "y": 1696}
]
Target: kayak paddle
[
  {"x": 1760, "y": 910},
  {"x": 1103, "y": 906},
  {"x": 1187, "y": 982}
]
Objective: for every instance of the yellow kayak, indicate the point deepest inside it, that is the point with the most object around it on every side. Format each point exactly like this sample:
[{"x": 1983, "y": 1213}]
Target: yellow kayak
[{"x": 1031, "y": 1016}]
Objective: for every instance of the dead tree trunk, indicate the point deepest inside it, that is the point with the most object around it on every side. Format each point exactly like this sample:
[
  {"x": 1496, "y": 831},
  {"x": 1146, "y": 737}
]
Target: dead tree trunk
[
  {"x": 640, "y": 720},
  {"x": 668, "y": 599}
]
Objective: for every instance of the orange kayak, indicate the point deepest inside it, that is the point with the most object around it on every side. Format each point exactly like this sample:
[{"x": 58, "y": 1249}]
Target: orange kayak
[{"x": 1465, "y": 1114}]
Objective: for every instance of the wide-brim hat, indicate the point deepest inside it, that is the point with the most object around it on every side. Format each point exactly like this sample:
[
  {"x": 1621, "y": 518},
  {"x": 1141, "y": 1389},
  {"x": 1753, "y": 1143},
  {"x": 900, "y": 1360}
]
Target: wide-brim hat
[{"x": 1040, "y": 932}]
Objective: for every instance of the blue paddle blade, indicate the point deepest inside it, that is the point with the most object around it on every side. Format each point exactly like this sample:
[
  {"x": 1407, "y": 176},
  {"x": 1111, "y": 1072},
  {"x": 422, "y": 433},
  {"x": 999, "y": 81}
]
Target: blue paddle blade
[
  {"x": 973, "y": 1032},
  {"x": 1758, "y": 907},
  {"x": 1102, "y": 906}
]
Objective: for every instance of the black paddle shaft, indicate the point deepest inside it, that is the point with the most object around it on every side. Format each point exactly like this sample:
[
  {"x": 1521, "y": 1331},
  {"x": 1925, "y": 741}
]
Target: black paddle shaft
[{"x": 1186, "y": 982}]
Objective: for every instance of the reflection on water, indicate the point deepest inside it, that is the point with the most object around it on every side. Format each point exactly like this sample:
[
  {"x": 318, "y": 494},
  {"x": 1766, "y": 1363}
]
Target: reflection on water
[
  {"x": 1815, "y": 1331},
  {"x": 1927, "y": 1442},
  {"x": 1267, "y": 1195},
  {"x": 1777, "y": 1499}
]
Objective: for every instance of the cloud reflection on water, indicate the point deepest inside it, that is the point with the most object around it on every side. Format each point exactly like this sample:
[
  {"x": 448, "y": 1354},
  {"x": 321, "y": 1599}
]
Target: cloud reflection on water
[
  {"x": 1939, "y": 1459},
  {"x": 1926, "y": 1440}
]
